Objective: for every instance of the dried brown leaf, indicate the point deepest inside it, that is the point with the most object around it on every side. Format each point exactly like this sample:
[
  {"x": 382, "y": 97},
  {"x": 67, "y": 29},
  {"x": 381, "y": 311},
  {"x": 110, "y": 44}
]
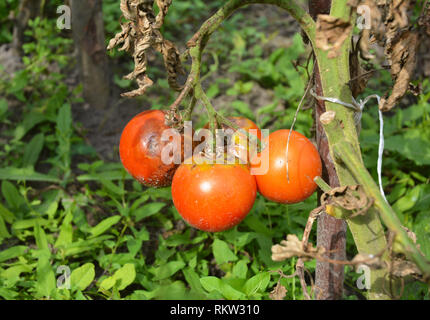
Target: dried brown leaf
[
  {"x": 402, "y": 59},
  {"x": 404, "y": 268},
  {"x": 331, "y": 32},
  {"x": 292, "y": 247},
  {"x": 139, "y": 34},
  {"x": 278, "y": 293},
  {"x": 352, "y": 198}
]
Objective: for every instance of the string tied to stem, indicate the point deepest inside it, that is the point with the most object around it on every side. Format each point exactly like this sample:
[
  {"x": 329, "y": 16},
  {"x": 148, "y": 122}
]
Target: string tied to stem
[{"x": 358, "y": 107}]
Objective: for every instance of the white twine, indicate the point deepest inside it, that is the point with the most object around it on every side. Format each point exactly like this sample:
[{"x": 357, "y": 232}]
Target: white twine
[{"x": 358, "y": 108}]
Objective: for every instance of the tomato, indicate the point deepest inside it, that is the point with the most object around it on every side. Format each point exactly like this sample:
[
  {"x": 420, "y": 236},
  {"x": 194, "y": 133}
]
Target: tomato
[
  {"x": 141, "y": 146},
  {"x": 241, "y": 140},
  {"x": 304, "y": 164},
  {"x": 213, "y": 197}
]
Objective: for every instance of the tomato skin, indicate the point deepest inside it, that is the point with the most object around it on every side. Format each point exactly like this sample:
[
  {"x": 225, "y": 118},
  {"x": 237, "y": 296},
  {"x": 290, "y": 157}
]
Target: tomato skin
[
  {"x": 304, "y": 165},
  {"x": 213, "y": 197},
  {"x": 140, "y": 149},
  {"x": 239, "y": 138}
]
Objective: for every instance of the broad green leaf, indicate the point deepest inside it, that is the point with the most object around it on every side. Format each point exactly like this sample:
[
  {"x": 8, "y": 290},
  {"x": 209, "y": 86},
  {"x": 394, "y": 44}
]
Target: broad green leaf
[
  {"x": 32, "y": 150},
  {"x": 240, "y": 269},
  {"x": 408, "y": 201},
  {"x": 104, "y": 225},
  {"x": 81, "y": 246},
  {"x": 29, "y": 223},
  {"x": 257, "y": 283},
  {"x": 12, "y": 252},
  {"x": 193, "y": 280},
  {"x": 45, "y": 276},
  {"x": 222, "y": 252},
  {"x": 4, "y": 233},
  {"x": 11, "y": 195},
  {"x": 8, "y": 294},
  {"x": 64, "y": 119},
  {"x": 214, "y": 283},
  {"x": 148, "y": 210},
  {"x": 167, "y": 270},
  {"x": 3, "y": 107},
  {"x": 82, "y": 277},
  {"x": 122, "y": 278},
  {"x": 40, "y": 236},
  {"x": 13, "y": 273},
  {"x": 6, "y": 214},
  {"x": 25, "y": 174},
  {"x": 112, "y": 187},
  {"x": 66, "y": 231},
  {"x": 30, "y": 120}
]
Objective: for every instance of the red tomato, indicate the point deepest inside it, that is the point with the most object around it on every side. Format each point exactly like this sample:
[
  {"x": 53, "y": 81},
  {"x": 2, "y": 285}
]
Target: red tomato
[
  {"x": 240, "y": 139},
  {"x": 141, "y": 146},
  {"x": 304, "y": 164},
  {"x": 213, "y": 197}
]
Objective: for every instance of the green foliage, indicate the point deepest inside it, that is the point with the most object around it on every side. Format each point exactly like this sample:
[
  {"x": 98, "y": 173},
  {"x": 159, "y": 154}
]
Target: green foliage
[{"x": 61, "y": 206}]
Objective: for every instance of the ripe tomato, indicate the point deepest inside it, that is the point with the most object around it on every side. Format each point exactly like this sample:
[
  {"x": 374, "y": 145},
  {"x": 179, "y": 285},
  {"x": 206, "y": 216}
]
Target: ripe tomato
[
  {"x": 213, "y": 197},
  {"x": 141, "y": 146},
  {"x": 304, "y": 164},
  {"x": 241, "y": 140}
]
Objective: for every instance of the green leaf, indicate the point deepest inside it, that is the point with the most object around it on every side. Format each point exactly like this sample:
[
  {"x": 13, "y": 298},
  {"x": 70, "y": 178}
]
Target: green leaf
[
  {"x": 148, "y": 210},
  {"x": 3, "y": 108},
  {"x": 12, "y": 252},
  {"x": 40, "y": 236},
  {"x": 30, "y": 120},
  {"x": 64, "y": 119},
  {"x": 45, "y": 276},
  {"x": 82, "y": 277},
  {"x": 213, "y": 283},
  {"x": 11, "y": 195},
  {"x": 240, "y": 269},
  {"x": 25, "y": 174},
  {"x": 167, "y": 270},
  {"x": 122, "y": 278},
  {"x": 257, "y": 283},
  {"x": 6, "y": 214},
  {"x": 4, "y": 233},
  {"x": 66, "y": 231},
  {"x": 104, "y": 225},
  {"x": 222, "y": 252},
  {"x": 193, "y": 280},
  {"x": 32, "y": 150}
]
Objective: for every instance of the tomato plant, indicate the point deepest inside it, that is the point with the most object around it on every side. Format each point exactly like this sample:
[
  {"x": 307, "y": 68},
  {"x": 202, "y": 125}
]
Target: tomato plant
[
  {"x": 242, "y": 146},
  {"x": 304, "y": 164},
  {"x": 213, "y": 197}
]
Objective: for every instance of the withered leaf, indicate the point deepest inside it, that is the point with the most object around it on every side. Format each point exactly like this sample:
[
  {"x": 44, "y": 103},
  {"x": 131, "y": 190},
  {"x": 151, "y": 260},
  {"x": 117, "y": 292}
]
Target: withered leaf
[
  {"x": 292, "y": 247},
  {"x": 404, "y": 268},
  {"x": 278, "y": 293},
  {"x": 402, "y": 59},
  {"x": 331, "y": 32},
  {"x": 139, "y": 34}
]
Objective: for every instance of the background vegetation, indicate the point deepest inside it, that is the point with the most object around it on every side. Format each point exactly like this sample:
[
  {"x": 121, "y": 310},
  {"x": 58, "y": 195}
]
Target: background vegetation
[{"x": 65, "y": 199}]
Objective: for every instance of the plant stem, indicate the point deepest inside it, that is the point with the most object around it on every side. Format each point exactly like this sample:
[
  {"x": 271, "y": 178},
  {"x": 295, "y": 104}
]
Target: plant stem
[{"x": 345, "y": 152}]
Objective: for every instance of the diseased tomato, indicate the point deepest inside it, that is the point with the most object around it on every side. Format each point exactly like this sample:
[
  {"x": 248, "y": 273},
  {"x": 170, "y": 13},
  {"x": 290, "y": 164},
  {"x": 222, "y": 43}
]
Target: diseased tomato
[
  {"x": 240, "y": 139},
  {"x": 304, "y": 164},
  {"x": 141, "y": 148},
  {"x": 213, "y": 197}
]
